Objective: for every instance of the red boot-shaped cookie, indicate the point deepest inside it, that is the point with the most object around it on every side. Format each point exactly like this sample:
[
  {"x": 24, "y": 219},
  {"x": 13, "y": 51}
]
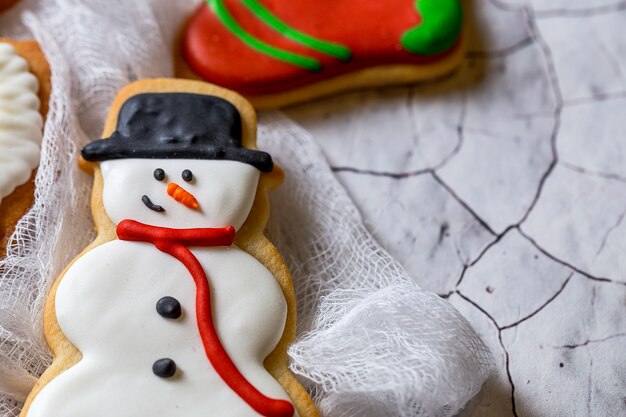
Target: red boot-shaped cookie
[{"x": 279, "y": 52}]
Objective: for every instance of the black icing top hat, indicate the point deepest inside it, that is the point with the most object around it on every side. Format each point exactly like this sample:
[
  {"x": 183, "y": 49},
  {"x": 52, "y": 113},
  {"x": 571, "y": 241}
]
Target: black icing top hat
[{"x": 177, "y": 126}]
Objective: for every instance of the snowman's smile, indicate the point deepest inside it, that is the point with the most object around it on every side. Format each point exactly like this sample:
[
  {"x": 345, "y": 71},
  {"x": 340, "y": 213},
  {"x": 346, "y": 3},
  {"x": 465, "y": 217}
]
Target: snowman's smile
[{"x": 155, "y": 207}]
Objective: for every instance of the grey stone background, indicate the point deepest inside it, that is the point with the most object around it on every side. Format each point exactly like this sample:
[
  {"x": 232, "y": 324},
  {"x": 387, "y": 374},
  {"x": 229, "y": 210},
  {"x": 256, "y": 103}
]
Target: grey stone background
[{"x": 503, "y": 188}]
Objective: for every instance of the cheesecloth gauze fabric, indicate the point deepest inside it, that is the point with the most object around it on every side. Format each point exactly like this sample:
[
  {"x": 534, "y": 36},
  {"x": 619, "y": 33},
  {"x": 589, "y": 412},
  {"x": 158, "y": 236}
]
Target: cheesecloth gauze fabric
[{"x": 370, "y": 342}]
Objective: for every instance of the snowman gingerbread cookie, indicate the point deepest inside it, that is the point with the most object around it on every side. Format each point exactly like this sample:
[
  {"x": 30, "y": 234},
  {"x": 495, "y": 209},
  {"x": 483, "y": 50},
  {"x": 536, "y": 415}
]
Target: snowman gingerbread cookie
[
  {"x": 281, "y": 52},
  {"x": 24, "y": 92},
  {"x": 181, "y": 306}
]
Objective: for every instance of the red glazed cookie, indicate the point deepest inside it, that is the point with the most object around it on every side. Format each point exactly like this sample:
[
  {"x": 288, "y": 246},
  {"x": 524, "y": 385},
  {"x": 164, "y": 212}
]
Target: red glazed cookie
[{"x": 278, "y": 52}]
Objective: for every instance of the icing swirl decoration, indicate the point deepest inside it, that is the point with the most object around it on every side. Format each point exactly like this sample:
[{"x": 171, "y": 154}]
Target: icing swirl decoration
[
  {"x": 20, "y": 121},
  {"x": 333, "y": 49},
  {"x": 225, "y": 17},
  {"x": 438, "y": 31}
]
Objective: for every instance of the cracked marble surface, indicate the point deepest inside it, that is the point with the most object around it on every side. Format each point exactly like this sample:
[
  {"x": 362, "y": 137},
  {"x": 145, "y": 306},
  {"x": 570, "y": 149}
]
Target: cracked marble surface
[{"x": 503, "y": 188}]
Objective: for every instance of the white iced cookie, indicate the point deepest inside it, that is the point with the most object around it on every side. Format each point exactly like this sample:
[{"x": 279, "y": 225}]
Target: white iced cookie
[
  {"x": 185, "y": 309},
  {"x": 143, "y": 302},
  {"x": 20, "y": 121},
  {"x": 224, "y": 191}
]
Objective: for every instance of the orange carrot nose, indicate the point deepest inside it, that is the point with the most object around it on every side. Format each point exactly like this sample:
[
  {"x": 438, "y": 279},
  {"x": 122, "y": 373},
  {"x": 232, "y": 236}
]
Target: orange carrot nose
[{"x": 181, "y": 195}]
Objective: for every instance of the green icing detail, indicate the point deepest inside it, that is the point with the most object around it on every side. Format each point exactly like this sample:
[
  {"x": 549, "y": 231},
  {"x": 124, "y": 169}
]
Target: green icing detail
[
  {"x": 227, "y": 20},
  {"x": 329, "y": 48},
  {"x": 439, "y": 30}
]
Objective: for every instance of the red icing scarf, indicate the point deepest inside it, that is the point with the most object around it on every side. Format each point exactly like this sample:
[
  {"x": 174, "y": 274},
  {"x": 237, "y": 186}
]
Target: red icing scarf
[{"x": 174, "y": 242}]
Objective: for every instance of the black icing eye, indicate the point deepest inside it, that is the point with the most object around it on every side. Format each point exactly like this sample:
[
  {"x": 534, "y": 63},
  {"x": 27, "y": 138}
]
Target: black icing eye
[
  {"x": 187, "y": 175},
  {"x": 159, "y": 174}
]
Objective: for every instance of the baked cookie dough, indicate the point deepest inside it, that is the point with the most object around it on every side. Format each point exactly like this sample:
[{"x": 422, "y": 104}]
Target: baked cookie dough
[
  {"x": 24, "y": 93},
  {"x": 181, "y": 306},
  {"x": 6, "y": 4},
  {"x": 281, "y": 52}
]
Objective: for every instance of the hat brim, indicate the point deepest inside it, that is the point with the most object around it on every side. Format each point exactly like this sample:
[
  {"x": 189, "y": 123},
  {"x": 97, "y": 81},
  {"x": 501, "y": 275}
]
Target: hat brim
[{"x": 114, "y": 148}]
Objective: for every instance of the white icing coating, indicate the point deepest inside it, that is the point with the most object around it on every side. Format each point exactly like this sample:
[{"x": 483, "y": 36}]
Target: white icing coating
[
  {"x": 225, "y": 191},
  {"x": 106, "y": 304},
  {"x": 20, "y": 121}
]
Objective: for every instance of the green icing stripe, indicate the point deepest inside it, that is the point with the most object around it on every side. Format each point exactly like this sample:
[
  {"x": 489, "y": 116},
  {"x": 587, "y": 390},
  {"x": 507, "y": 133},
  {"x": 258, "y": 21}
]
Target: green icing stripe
[
  {"x": 439, "y": 30},
  {"x": 329, "y": 48},
  {"x": 227, "y": 20}
]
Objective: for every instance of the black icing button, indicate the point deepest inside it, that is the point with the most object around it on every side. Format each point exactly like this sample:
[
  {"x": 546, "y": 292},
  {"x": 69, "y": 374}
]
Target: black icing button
[
  {"x": 164, "y": 368},
  {"x": 169, "y": 307}
]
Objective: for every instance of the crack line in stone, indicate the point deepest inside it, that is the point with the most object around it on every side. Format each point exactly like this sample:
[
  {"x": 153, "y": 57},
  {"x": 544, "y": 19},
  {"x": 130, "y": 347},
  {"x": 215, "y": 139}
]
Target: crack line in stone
[
  {"x": 483, "y": 252},
  {"x": 582, "y": 12},
  {"x": 410, "y": 105},
  {"x": 500, "y": 329},
  {"x": 552, "y": 78},
  {"x": 484, "y": 132},
  {"x": 585, "y": 171},
  {"x": 506, "y": 352},
  {"x": 462, "y": 202},
  {"x": 595, "y": 98},
  {"x": 590, "y": 341},
  {"x": 613, "y": 61},
  {"x": 556, "y": 90},
  {"x": 508, "y": 7},
  {"x": 609, "y": 231},
  {"x": 589, "y": 384},
  {"x": 567, "y": 264},
  {"x": 374, "y": 173},
  {"x": 460, "y": 129},
  {"x": 533, "y": 313},
  {"x": 533, "y": 115},
  {"x": 541, "y": 307},
  {"x": 500, "y": 53},
  {"x": 556, "y": 113},
  {"x": 460, "y": 132}
]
